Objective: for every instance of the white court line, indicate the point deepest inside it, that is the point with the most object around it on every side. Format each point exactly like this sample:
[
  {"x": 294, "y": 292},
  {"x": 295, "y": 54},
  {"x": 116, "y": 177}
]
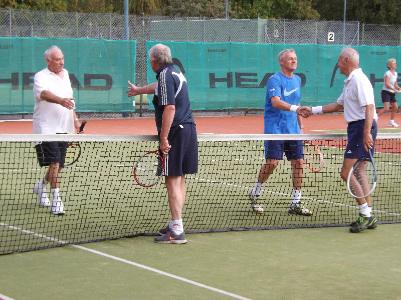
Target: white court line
[
  {"x": 141, "y": 266},
  {"x": 128, "y": 262},
  {"x": 289, "y": 195},
  {"x": 3, "y": 297}
]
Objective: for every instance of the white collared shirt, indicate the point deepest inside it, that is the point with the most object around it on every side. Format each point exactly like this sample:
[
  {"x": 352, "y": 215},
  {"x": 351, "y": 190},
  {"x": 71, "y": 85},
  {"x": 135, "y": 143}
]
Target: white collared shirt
[
  {"x": 48, "y": 117},
  {"x": 393, "y": 79},
  {"x": 356, "y": 95}
]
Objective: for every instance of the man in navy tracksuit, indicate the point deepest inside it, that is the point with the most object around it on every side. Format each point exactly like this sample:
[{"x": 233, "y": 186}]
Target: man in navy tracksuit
[{"x": 177, "y": 135}]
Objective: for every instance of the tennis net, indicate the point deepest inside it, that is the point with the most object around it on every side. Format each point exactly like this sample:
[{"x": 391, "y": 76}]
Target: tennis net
[{"x": 102, "y": 201}]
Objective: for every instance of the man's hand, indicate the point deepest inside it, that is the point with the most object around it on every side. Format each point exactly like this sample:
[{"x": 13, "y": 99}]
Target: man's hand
[
  {"x": 164, "y": 146},
  {"x": 368, "y": 141},
  {"x": 67, "y": 103},
  {"x": 304, "y": 111},
  {"x": 133, "y": 90}
]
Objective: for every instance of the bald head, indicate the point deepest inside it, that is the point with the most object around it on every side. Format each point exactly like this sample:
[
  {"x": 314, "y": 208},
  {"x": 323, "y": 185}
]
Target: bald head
[
  {"x": 348, "y": 60},
  {"x": 351, "y": 54}
]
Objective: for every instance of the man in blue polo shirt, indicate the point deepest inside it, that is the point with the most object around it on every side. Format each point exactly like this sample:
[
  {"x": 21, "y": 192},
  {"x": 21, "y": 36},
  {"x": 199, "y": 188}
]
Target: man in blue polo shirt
[
  {"x": 282, "y": 105},
  {"x": 177, "y": 135}
]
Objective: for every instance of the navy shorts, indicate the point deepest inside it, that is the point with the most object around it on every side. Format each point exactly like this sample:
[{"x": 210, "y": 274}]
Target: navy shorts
[
  {"x": 355, "y": 147},
  {"x": 388, "y": 96},
  {"x": 183, "y": 156},
  {"x": 51, "y": 152},
  {"x": 292, "y": 149}
]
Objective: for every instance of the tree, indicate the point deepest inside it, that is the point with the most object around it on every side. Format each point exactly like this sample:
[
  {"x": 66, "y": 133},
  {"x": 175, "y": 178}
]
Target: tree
[
  {"x": 193, "y": 8},
  {"x": 372, "y": 11},
  {"x": 51, "y": 5},
  {"x": 266, "y": 9},
  {"x": 100, "y": 6}
]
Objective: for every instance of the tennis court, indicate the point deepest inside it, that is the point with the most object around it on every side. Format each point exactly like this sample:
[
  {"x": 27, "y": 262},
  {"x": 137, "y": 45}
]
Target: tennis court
[{"x": 308, "y": 263}]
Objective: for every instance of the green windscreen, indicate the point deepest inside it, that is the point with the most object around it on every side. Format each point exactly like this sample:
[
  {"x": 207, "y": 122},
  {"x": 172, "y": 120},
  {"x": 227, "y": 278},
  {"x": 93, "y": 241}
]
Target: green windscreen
[
  {"x": 99, "y": 71},
  {"x": 234, "y": 75}
]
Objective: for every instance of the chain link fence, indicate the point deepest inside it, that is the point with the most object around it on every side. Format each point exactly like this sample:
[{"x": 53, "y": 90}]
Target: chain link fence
[{"x": 29, "y": 23}]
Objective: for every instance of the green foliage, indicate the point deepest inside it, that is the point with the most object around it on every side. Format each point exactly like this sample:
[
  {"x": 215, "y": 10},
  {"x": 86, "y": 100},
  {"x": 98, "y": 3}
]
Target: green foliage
[
  {"x": 372, "y": 11},
  {"x": 90, "y": 5},
  {"x": 277, "y": 9},
  {"x": 194, "y": 8},
  {"x": 365, "y": 11}
]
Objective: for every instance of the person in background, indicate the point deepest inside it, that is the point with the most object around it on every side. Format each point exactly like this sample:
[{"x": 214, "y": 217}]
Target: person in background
[
  {"x": 53, "y": 114},
  {"x": 390, "y": 87}
]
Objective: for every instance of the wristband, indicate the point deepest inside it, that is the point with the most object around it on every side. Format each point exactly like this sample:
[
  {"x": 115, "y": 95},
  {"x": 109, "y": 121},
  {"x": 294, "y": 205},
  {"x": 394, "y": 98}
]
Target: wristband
[
  {"x": 294, "y": 108},
  {"x": 317, "y": 110}
]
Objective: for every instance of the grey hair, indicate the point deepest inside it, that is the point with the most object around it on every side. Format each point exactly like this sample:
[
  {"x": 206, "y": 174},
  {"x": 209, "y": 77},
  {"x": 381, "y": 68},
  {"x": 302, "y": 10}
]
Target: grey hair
[
  {"x": 389, "y": 61},
  {"x": 161, "y": 54},
  {"x": 50, "y": 50},
  {"x": 351, "y": 54},
  {"x": 285, "y": 51}
]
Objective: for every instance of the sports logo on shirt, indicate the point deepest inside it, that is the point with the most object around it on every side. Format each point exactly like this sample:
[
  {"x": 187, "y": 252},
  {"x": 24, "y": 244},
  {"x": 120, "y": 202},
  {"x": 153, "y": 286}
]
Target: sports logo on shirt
[{"x": 288, "y": 93}]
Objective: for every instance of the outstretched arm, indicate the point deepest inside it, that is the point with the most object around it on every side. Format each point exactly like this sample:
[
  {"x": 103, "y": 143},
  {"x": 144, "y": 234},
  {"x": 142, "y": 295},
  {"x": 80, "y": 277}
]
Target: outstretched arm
[{"x": 134, "y": 90}]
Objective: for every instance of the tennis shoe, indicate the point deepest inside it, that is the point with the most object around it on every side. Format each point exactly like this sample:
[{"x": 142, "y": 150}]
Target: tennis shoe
[
  {"x": 393, "y": 124},
  {"x": 372, "y": 223},
  {"x": 164, "y": 230},
  {"x": 57, "y": 206},
  {"x": 360, "y": 224},
  {"x": 171, "y": 238},
  {"x": 256, "y": 207},
  {"x": 40, "y": 189},
  {"x": 299, "y": 209}
]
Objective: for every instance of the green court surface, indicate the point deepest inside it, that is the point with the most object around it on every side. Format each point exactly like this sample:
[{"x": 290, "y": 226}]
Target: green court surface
[
  {"x": 103, "y": 202},
  {"x": 318, "y": 263}
]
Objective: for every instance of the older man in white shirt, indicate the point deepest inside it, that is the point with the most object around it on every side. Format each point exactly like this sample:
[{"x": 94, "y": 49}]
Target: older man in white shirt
[
  {"x": 357, "y": 99},
  {"x": 53, "y": 114}
]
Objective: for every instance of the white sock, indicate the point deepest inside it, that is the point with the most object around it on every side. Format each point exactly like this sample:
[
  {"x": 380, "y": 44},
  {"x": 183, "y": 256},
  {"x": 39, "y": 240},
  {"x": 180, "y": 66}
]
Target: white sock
[
  {"x": 176, "y": 226},
  {"x": 41, "y": 186},
  {"x": 370, "y": 210},
  {"x": 364, "y": 210},
  {"x": 296, "y": 196},
  {"x": 56, "y": 194},
  {"x": 257, "y": 189}
]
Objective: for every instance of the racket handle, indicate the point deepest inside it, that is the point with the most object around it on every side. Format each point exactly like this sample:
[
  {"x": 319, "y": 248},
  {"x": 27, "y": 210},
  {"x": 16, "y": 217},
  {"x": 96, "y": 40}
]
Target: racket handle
[{"x": 81, "y": 128}]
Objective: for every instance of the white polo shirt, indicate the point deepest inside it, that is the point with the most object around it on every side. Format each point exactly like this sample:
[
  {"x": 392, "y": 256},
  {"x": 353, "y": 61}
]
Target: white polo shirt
[
  {"x": 356, "y": 94},
  {"x": 52, "y": 118},
  {"x": 393, "y": 79}
]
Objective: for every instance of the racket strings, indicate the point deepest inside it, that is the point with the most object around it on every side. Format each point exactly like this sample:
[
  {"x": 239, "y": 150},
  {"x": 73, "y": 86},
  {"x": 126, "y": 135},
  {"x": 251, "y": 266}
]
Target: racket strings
[
  {"x": 148, "y": 169},
  {"x": 73, "y": 153},
  {"x": 313, "y": 158},
  {"x": 362, "y": 179}
]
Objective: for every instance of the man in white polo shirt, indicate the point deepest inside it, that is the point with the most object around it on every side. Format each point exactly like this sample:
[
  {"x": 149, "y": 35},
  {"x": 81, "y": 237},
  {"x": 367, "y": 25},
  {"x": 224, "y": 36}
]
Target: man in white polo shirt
[
  {"x": 53, "y": 114},
  {"x": 357, "y": 99}
]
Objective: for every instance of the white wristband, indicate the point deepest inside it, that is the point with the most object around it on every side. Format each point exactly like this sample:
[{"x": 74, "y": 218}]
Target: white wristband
[
  {"x": 294, "y": 108},
  {"x": 317, "y": 110}
]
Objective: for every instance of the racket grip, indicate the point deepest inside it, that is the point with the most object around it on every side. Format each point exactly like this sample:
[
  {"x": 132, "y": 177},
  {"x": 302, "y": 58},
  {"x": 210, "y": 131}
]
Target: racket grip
[{"x": 81, "y": 128}]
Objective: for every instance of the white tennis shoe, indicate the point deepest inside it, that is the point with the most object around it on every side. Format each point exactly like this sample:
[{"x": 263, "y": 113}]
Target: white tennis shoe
[
  {"x": 40, "y": 189},
  {"x": 57, "y": 206},
  {"x": 393, "y": 124},
  {"x": 256, "y": 207}
]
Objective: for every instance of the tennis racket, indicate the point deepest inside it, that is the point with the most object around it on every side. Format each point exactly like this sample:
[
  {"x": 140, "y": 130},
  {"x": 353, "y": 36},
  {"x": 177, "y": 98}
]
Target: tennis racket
[
  {"x": 362, "y": 178},
  {"x": 313, "y": 157},
  {"x": 74, "y": 149},
  {"x": 147, "y": 171}
]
